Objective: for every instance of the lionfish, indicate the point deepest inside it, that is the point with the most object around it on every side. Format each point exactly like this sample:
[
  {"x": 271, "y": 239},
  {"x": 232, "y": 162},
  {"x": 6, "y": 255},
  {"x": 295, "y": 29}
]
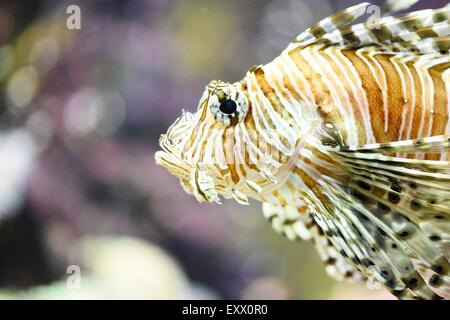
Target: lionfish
[{"x": 345, "y": 139}]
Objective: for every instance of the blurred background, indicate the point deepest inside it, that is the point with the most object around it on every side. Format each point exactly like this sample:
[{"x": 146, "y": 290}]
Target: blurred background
[{"x": 84, "y": 211}]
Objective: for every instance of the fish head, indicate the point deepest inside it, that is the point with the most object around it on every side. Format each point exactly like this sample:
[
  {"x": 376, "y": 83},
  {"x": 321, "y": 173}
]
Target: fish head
[{"x": 199, "y": 148}]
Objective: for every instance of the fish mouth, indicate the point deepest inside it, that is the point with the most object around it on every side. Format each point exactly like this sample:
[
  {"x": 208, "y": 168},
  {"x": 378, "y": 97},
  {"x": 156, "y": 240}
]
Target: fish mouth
[
  {"x": 173, "y": 164},
  {"x": 195, "y": 179},
  {"x": 169, "y": 157}
]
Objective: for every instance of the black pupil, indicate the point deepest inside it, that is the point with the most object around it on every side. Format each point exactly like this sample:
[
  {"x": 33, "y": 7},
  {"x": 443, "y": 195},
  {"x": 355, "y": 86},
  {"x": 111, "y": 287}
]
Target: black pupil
[{"x": 228, "y": 106}]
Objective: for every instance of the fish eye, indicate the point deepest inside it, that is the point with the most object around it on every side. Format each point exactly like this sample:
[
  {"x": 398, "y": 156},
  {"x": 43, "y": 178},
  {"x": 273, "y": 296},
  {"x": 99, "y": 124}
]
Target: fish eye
[
  {"x": 230, "y": 109},
  {"x": 228, "y": 106}
]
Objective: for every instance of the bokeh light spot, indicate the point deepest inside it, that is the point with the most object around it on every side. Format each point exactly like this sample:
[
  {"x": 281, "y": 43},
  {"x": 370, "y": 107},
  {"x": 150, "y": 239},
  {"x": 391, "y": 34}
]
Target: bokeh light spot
[
  {"x": 6, "y": 60},
  {"x": 22, "y": 86},
  {"x": 44, "y": 54}
]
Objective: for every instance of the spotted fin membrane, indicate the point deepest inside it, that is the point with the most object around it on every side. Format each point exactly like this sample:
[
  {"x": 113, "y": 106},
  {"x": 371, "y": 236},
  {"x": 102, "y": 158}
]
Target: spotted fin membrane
[
  {"x": 298, "y": 224},
  {"x": 392, "y": 216}
]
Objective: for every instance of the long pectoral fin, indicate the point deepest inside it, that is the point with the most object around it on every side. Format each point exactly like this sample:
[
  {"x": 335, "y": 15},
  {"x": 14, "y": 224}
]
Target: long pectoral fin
[
  {"x": 392, "y": 217},
  {"x": 297, "y": 223}
]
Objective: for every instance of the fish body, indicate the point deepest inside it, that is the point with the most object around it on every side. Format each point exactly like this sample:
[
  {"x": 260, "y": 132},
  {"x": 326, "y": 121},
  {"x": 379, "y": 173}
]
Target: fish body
[{"x": 345, "y": 139}]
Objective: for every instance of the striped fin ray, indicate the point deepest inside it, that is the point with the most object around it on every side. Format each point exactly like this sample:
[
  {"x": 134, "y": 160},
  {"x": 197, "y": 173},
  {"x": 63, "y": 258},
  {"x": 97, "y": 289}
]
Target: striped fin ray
[
  {"x": 357, "y": 241},
  {"x": 413, "y": 26},
  {"x": 331, "y": 23},
  {"x": 440, "y": 45},
  {"x": 374, "y": 244},
  {"x": 409, "y": 28},
  {"x": 427, "y": 144},
  {"x": 287, "y": 220},
  {"x": 297, "y": 223},
  {"x": 400, "y": 207},
  {"x": 396, "y": 5},
  {"x": 337, "y": 265}
]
